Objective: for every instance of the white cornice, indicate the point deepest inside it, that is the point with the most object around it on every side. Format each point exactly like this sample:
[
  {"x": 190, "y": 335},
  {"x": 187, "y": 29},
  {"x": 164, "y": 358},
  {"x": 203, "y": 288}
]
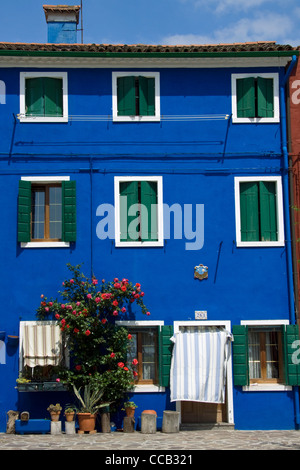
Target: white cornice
[{"x": 144, "y": 62}]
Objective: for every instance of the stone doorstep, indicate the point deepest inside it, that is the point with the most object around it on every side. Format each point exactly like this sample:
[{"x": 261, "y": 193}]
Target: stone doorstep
[{"x": 205, "y": 426}]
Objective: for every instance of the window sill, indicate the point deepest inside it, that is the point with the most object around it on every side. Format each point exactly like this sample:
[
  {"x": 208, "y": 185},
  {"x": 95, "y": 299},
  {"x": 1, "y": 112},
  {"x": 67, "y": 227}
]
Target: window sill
[
  {"x": 266, "y": 388},
  {"x": 138, "y": 244},
  {"x": 45, "y": 119},
  {"x": 148, "y": 388},
  {"x": 41, "y": 387},
  {"x": 136, "y": 118},
  {"x": 45, "y": 245},
  {"x": 255, "y": 120},
  {"x": 259, "y": 244}
]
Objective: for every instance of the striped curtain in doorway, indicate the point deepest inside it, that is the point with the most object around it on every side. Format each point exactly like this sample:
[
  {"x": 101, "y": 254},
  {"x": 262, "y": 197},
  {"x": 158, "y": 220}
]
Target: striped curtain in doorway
[{"x": 198, "y": 367}]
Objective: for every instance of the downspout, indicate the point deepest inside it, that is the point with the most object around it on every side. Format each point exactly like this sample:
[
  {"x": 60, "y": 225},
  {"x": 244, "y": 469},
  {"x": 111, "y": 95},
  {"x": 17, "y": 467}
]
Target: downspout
[{"x": 288, "y": 237}]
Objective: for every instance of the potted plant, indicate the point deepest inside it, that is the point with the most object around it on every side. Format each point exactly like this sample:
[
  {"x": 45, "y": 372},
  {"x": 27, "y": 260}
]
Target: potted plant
[
  {"x": 54, "y": 411},
  {"x": 130, "y": 407},
  {"x": 69, "y": 413},
  {"x": 90, "y": 406}
]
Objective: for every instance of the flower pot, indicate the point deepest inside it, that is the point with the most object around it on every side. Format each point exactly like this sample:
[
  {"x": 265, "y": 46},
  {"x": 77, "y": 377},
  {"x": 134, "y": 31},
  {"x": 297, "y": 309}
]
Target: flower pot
[
  {"x": 86, "y": 421},
  {"x": 130, "y": 412},
  {"x": 70, "y": 416},
  {"x": 54, "y": 415}
]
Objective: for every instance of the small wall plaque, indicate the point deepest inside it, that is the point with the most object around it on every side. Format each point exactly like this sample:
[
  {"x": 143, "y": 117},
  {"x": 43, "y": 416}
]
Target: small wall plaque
[
  {"x": 201, "y": 315},
  {"x": 200, "y": 272}
]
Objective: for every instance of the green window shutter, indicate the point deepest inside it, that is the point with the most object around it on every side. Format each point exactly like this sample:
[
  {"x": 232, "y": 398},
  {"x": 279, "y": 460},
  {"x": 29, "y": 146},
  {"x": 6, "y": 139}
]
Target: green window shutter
[
  {"x": 24, "y": 211},
  {"x": 245, "y": 88},
  {"x": 249, "y": 207},
  {"x": 149, "y": 223},
  {"x": 34, "y": 97},
  {"x": 53, "y": 96},
  {"x": 146, "y": 96},
  {"x": 165, "y": 347},
  {"x": 128, "y": 197},
  {"x": 265, "y": 97},
  {"x": 268, "y": 213},
  {"x": 126, "y": 96},
  {"x": 69, "y": 211},
  {"x": 292, "y": 369},
  {"x": 240, "y": 355}
]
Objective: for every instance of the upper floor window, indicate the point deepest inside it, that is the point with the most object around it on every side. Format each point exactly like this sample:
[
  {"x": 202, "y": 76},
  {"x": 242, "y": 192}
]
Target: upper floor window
[
  {"x": 43, "y": 97},
  {"x": 136, "y": 96},
  {"x": 138, "y": 211},
  {"x": 46, "y": 211},
  {"x": 255, "y": 98},
  {"x": 259, "y": 211}
]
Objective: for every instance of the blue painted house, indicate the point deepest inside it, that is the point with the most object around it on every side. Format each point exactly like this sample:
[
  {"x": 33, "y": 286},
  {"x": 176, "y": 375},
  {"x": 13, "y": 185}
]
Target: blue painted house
[{"x": 167, "y": 166}]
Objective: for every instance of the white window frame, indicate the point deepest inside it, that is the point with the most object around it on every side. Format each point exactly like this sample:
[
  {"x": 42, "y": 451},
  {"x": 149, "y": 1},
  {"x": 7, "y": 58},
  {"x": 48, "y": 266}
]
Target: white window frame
[
  {"x": 279, "y": 208},
  {"x": 45, "y": 180},
  {"x": 23, "y": 77},
  {"x": 229, "y": 379},
  {"x": 156, "y": 179},
  {"x": 142, "y": 388},
  {"x": 259, "y": 387},
  {"x": 156, "y": 117},
  {"x": 235, "y": 118}
]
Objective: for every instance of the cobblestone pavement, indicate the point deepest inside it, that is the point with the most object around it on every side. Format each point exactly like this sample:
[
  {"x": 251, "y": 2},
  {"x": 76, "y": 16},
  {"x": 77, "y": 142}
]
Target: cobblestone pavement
[{"x": 214, "y": 439}]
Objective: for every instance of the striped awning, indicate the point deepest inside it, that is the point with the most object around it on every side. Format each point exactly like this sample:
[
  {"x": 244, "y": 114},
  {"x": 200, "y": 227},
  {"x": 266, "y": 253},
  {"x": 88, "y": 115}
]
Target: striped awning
[
  {"x": 198, "y": 367},
  {"x": 42, "y": 344}
]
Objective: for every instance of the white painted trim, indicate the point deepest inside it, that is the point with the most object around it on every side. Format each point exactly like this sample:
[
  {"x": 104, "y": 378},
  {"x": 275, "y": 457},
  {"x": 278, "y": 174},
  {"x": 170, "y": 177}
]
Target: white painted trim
[
  {"x": 140, "y": 388},
  {"x": 63, "y": 76},
  {"x": 236, "y": 119},
  {"x": 45, "y": 180},
  {"x": 279, "y": 207},
  {"x": 158, "y": 180},
  {"x": 227, "y": 325},
  {"x": 260, "y": 387},
  {"x": 117, "y": 118}
]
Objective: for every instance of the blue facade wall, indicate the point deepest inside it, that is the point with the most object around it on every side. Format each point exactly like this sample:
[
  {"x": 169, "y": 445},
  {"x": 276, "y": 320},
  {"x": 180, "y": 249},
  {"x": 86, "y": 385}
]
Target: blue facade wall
[{"x": 198, "y": 160}]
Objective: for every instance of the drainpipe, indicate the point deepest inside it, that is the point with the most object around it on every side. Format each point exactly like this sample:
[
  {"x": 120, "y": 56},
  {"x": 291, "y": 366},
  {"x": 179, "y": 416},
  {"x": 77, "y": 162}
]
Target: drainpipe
[{"x": 288, "y": 237}]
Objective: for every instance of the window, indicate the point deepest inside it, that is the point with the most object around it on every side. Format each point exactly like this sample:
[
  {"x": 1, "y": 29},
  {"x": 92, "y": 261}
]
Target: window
[
  {"x": 265, "y": 358},
  {"x": 43, "y": 97},
  {"x": 46, "y": 211},
  {"x": 144, "y": 349},
  {"x": 136, "y": 96},
  {"x": 42, "y": 353},
  {"x": 259, "y": 211},
  {"x": 265, "y": 354},
  {"x": 255, "y": 98},
  {"x": 138, "y": 211},
  {"x": 152, "y": 347}
]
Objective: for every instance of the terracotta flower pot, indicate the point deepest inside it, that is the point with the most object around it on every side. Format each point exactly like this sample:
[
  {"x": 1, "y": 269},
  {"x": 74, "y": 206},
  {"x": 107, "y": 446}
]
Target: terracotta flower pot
[
  {"x": 70, "y": 416},
  {"x": 86, "y": 421},
  {"x": 130, "y": 412},
  {"x": 55, "y": 415}
]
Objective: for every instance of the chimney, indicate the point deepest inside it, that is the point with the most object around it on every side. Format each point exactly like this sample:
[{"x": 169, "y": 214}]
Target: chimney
[{"x": 62, "y": 23}]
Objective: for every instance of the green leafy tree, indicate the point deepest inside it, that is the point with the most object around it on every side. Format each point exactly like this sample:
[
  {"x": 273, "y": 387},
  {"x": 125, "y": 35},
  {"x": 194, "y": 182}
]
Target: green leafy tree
[{"x": 98, "y": 347}]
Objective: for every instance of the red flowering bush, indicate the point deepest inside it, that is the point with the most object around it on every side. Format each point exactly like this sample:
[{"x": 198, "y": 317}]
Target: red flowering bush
[{"x": 87, "y": 317}]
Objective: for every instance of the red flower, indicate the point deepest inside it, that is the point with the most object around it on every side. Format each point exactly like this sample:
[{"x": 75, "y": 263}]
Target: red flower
[
  {"x": 126, "y": 368},
  {"x": 57, "y": 316},
  {"x": 115, "y": 303},
  {"x": 112, "y": 355},
  {"x": 138, "y": 284},
  {"x": 123, "y": 310},
  {"x": 87, "y": 332},
  {"x": 123, "y": 288},
  {"x": 78, "y": 367},
  {"x": 76, "y": 330},
  {"x": 129, "y": 336},
  {"x": 63, "y": 322},
  {"x": 115, "y": 313},
  {"x": 135, "y": 373},
  {"x": 121, "y": 364},
  {"x": 135, "y": 362},
  {"x": 147, "y": 313},
  {"x": 103, "y": 321}
]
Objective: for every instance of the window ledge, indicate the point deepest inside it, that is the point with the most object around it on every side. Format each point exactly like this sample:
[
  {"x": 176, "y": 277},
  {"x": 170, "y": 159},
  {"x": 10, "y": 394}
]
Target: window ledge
[
  {"x": 41, "y": 387},
  {"x": 259, "y": 244},
  {"x": 44, "y": 119},
  {"x": 266, "y": 388},
  {"x": 148, "y": 388},
  {"x": 45, "y": 245}
]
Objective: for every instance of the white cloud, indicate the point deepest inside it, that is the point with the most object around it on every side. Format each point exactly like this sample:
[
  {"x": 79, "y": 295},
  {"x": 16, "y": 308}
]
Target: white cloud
[
  {"x": 264, "y": 27},
  {"x": 226, "y": 6}
]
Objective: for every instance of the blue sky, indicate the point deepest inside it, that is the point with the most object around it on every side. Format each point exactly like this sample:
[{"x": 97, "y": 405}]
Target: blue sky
[{"x": 161, "y": 21}]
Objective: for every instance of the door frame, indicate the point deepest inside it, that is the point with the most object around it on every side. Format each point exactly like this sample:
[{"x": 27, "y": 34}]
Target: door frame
[{"x": 229, "y": 387}]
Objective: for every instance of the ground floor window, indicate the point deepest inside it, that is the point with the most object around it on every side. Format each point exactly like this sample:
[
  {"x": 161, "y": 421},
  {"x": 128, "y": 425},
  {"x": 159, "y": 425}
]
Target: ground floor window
[{"x": 144, "y": 348}]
